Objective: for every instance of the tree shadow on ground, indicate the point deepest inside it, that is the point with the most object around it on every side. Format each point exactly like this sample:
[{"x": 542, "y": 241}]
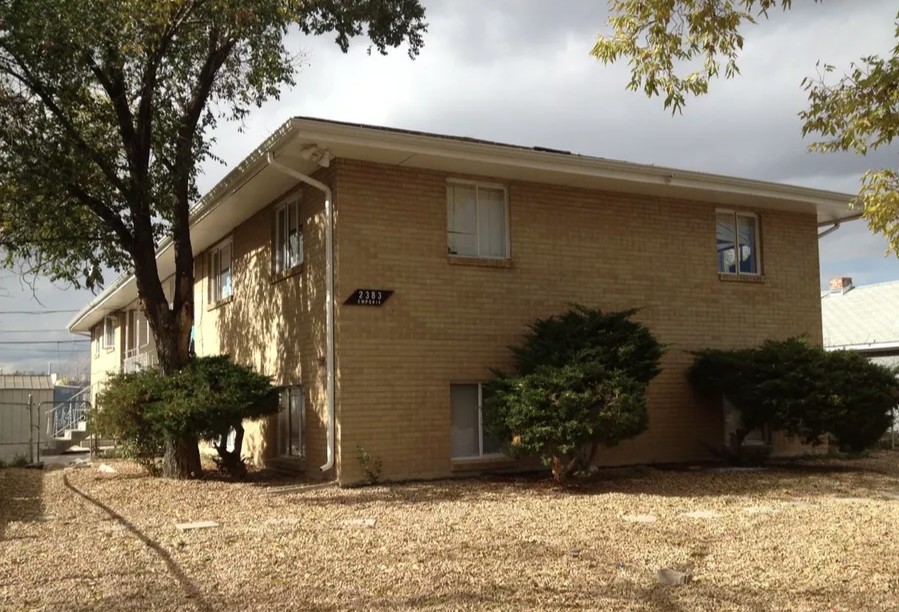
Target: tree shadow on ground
[
  {"x": 21, "y": 498},
  {"x": 191, "y": 591}
]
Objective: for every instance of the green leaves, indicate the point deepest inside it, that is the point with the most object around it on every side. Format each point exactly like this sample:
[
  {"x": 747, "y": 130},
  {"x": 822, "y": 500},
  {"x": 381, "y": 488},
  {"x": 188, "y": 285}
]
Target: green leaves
[
  {"x": 581, "y": 382},
  {"x": 802, "y": 389},
  {"x": 106, "y": 108},
  {"x": 204, "y": 400},
  {"x": 676, "y": 47}
]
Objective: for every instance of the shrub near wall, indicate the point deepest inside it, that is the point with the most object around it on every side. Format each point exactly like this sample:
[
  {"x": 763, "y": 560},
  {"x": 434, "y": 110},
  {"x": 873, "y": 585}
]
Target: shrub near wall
[
  {"x": 580, "y": 383},
  {"x": 801, "y": 389},
  {"x": 207, "y": 399}
]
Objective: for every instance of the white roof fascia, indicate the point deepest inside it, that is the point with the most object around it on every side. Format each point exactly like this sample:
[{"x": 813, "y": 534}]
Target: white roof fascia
[
  {"x": 330, "y": 133},
  {"x": 566, "y": 163}
]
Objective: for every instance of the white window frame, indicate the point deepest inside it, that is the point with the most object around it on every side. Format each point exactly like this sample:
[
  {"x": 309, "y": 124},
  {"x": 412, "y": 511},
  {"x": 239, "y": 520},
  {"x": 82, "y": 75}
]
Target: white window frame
[
  {"x": 215, "y": 271},
  {"x": 481, "y": 454},
  {"x": 140, "y": 334},
  {"x": 758, "y": 240},
  {"x": 109, "y": 325},
  {"x": 98, "y": 339},
  {"x": 171, "y": 284},
  {"x": 486, "y": 185},
  {"x": 288, "y": 392},
  {"x": 282, "y": 237}
]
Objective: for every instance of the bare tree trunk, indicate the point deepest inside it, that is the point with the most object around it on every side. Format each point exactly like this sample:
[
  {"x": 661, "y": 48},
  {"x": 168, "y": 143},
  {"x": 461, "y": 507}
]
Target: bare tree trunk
[
  {"x": 181, "y": 459},
  {"x": 231, "y": 461},
  {"x": 564, "y": 468},
  {"x": 736, "y": 445},
  {"x": 171, "y": 335}
]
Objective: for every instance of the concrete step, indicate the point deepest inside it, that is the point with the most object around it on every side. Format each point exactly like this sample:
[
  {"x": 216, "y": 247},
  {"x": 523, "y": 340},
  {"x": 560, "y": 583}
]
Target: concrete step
[{"x": 72, "y": 435}]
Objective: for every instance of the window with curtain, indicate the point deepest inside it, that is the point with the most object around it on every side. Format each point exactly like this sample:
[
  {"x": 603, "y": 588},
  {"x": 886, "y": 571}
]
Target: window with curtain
[
  {"x": 220, "y": 272},
  {"x": 288, "y": 247},
  {"x": 737, "y": 242},
  {"x": 468, "y": 438},
  {"x": 109, "y": 332},
  {"x": 477, "y": 221}
]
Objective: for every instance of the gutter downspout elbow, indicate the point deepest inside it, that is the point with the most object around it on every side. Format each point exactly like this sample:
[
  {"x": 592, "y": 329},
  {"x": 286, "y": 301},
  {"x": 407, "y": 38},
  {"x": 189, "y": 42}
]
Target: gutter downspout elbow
[
  {"x": 829, "y": 230},
  {"x": 329, "y": 294}
]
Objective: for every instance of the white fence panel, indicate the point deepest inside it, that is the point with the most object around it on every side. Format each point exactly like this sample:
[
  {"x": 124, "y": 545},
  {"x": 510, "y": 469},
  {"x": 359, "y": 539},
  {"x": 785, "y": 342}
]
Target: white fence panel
[{"x": 15, "y": 424}]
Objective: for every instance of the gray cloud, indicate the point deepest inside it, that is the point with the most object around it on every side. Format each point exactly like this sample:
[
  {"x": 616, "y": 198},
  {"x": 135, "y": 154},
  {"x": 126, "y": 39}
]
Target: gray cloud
[{"x": 519, "y": 71}]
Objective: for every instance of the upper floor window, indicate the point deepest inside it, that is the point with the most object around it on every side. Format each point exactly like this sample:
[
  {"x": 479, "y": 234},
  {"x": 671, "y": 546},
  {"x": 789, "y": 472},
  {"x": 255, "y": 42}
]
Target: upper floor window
[
  {"x": 109, "y": 332},
  {"x": 220, "y": 272},
  {"x": 738, "y": 242},
  {"x": 477, "y": 220},
  {"x": 288, "y": 237}
]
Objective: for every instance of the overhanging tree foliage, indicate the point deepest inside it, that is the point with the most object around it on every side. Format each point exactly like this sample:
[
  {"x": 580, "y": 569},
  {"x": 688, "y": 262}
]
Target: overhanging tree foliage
[
  {"x": 105, "y": 112},
  {"x": 207, "y": 399},
  {"x": 665, "y": 40},
  {"x": 580, "y": 383}
]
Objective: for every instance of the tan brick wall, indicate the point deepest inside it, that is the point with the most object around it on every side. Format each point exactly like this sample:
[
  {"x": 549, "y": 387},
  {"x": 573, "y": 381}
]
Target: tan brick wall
[
  {"x": 452, "y": 323},
  {"x": 275, "y": 324}
]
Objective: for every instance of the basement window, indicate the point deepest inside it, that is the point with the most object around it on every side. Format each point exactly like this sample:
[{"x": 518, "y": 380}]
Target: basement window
[
  {"x": 468, "y": 438},
  {"x": 737, "y": 242},
  {"x": 220, "y": 272},
  {"x": 477, "y": 220}
]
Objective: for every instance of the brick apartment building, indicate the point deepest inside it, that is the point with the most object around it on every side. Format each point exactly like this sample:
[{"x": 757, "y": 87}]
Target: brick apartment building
[{"x": 442, "y": 251}]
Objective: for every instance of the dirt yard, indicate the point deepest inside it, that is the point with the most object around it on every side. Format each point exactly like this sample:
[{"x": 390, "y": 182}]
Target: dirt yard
[{"x": 813, "y": 536}]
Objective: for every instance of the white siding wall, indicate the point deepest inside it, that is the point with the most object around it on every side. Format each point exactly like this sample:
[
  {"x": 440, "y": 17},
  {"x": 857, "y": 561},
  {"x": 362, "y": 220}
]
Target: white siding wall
[{"x": 14, "y": 421}]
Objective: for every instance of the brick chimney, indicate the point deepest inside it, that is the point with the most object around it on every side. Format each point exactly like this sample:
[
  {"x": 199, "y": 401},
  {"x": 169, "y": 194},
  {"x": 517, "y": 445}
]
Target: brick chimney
[{"x": 840, "y": 285}]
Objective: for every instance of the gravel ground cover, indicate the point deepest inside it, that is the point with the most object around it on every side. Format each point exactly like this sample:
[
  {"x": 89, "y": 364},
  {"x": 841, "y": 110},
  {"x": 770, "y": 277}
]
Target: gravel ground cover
[{"x": 813, "y": 536}]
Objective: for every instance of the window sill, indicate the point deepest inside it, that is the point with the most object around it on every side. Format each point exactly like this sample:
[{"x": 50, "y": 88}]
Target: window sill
[
  {"x": 219, "y": 303},
  {"x": 741, "y": 278},
  {"x": 480, "y": 463},
  {"x": 277, "y": 277},
  {"x": 480, "y": 262}
]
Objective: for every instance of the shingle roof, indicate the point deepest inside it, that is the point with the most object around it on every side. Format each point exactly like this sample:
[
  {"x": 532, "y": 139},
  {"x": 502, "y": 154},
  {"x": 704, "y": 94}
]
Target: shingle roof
[
  {"x": 19, "y": 381},
  {"x": 866, "y": 315}
]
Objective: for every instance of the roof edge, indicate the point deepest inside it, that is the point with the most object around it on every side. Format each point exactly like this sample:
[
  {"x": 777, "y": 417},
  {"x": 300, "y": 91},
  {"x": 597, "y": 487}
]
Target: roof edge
[
  {"x": 203, "y": 206},
  {"x": 425, "y": 142}
]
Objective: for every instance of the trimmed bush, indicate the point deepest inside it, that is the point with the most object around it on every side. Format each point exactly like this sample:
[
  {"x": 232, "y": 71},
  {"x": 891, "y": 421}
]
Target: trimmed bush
[
  {"x": 208, "y": 399},
  {"x": 580, "y": 383},
  {"x": 800, "y": 389},
  {"x": 129, "y": 403}
]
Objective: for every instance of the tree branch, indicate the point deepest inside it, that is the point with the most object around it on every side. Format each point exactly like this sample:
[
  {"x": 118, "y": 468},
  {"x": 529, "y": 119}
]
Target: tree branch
[
  {"x": 106, "y": 214},
  {"x": 34, "y": 85}
]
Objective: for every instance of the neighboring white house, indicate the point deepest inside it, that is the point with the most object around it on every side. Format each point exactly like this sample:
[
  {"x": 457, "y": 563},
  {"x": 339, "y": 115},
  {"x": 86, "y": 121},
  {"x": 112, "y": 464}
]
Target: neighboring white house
[
  {"x": 23, "y": 399},
  {"x": 863, "y": 319}
]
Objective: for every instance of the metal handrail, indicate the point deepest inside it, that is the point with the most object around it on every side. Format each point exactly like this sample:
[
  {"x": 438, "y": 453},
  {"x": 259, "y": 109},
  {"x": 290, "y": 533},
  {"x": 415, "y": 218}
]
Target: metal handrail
[
  {"x": 66, "y": 415},
  {"x": 135, "y": 360}
]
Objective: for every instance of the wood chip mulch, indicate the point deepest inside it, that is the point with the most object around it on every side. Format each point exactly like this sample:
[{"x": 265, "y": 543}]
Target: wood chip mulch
[{"x": 808, "y": 536}]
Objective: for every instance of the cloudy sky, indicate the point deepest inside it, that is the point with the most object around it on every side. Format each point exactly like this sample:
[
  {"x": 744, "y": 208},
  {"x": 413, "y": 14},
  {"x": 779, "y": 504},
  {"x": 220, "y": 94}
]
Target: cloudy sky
[{"x": 519, "y": 71}]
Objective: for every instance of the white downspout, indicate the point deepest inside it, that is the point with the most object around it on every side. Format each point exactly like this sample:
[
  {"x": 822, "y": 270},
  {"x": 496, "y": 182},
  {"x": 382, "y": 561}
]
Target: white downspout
[
  {"x": 329, "y": 292},
  {"x": 836, "y": 225},
  {"x": 829, "y": 230}
]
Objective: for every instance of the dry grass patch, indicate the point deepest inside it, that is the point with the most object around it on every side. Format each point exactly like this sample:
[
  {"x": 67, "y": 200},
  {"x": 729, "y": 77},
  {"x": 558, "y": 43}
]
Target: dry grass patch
[{"x": 815, "y": 536}]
